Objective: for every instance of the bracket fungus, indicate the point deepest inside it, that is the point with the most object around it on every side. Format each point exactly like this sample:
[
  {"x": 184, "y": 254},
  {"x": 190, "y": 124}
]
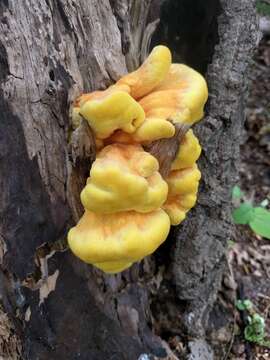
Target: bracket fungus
[
  {"x": 124, "y": 178},
  {"x": 145, "y": 177}
]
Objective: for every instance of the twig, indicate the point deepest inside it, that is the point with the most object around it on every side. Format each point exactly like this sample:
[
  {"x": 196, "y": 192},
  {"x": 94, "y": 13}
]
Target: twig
[
  {"x": 263, "y": 296},
  {"x": 232, "y": 339}
]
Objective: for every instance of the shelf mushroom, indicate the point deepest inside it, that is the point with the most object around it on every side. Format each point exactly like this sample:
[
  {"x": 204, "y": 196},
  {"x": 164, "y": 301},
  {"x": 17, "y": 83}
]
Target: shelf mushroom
[{"x": 129, "y": 200}]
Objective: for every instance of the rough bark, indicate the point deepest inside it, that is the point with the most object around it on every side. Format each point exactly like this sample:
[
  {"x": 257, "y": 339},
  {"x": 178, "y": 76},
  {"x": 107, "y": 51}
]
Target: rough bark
[
  {"x": 51, "y": 50},
  {"x": 201, "y": 242}
]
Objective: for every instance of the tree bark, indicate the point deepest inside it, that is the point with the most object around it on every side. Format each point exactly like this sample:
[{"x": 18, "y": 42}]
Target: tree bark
[
  {"x": 50, "y": 51},
  {"x": 200, "y": 243}
]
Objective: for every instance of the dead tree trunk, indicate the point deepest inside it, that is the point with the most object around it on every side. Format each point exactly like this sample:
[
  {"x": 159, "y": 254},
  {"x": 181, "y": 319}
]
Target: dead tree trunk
[{"x": 51, "y": 50}]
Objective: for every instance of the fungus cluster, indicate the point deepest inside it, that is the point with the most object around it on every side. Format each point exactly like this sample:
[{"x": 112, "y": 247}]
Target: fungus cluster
[{"x": 142, "y": 127}]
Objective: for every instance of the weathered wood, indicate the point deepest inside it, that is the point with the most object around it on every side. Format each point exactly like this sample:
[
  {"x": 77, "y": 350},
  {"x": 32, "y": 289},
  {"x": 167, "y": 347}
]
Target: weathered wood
[
  {"x": 51, "y": 50},
  {"x": 202, "y": 241}
]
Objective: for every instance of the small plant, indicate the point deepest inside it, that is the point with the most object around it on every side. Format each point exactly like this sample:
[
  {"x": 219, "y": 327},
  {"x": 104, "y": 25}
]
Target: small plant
[
  {"x": 255, "y": 330},
  {"x": 244, "y": 305},
  {"x": 263, "y": 7},
  {"x": 257, "y": 217}
]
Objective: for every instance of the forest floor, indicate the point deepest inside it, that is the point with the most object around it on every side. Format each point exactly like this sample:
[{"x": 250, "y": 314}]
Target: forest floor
[{"x": 248, "y": 275}]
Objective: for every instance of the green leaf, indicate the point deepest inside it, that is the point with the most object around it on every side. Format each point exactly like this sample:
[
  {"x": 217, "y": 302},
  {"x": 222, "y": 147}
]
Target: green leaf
[
  {"x": 244, "y": 304},
  {"x": 255, "y": 331},
  {"x": 263, "y": 7},
  {"x": 243, "y": 214},
  {"x": 260, "y": 222},
  {"x": 237, "y": 192},
  {"x": 264, "y": 203},
  {"x": 265, "y": 343}
]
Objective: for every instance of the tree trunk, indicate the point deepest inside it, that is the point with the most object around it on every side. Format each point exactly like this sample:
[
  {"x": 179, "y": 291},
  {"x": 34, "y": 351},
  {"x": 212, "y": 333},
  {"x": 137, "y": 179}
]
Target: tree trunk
[{"x": 50, "y": 51}]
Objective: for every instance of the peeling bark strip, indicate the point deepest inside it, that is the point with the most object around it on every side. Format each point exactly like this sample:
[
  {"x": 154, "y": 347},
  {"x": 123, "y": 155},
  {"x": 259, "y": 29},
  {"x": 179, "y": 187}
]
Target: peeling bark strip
[
  {"x": 51, "y": 50},
  {"x": 165, "y": 150}
]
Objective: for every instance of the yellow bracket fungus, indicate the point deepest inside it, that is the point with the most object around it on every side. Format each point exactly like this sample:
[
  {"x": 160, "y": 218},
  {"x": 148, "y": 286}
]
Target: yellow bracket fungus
[
  {"x": 155, "y": 68},
  {"x": 114, "y": 111},
  {"x": 129, "y": 205},
  {"x": 188, "y": 92},
  {"x": 188, "y": 153},
  {"x": 124, "y": 178},
  {"x": 183, "y": 187},
  {"x": 112, "y": 242}
]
